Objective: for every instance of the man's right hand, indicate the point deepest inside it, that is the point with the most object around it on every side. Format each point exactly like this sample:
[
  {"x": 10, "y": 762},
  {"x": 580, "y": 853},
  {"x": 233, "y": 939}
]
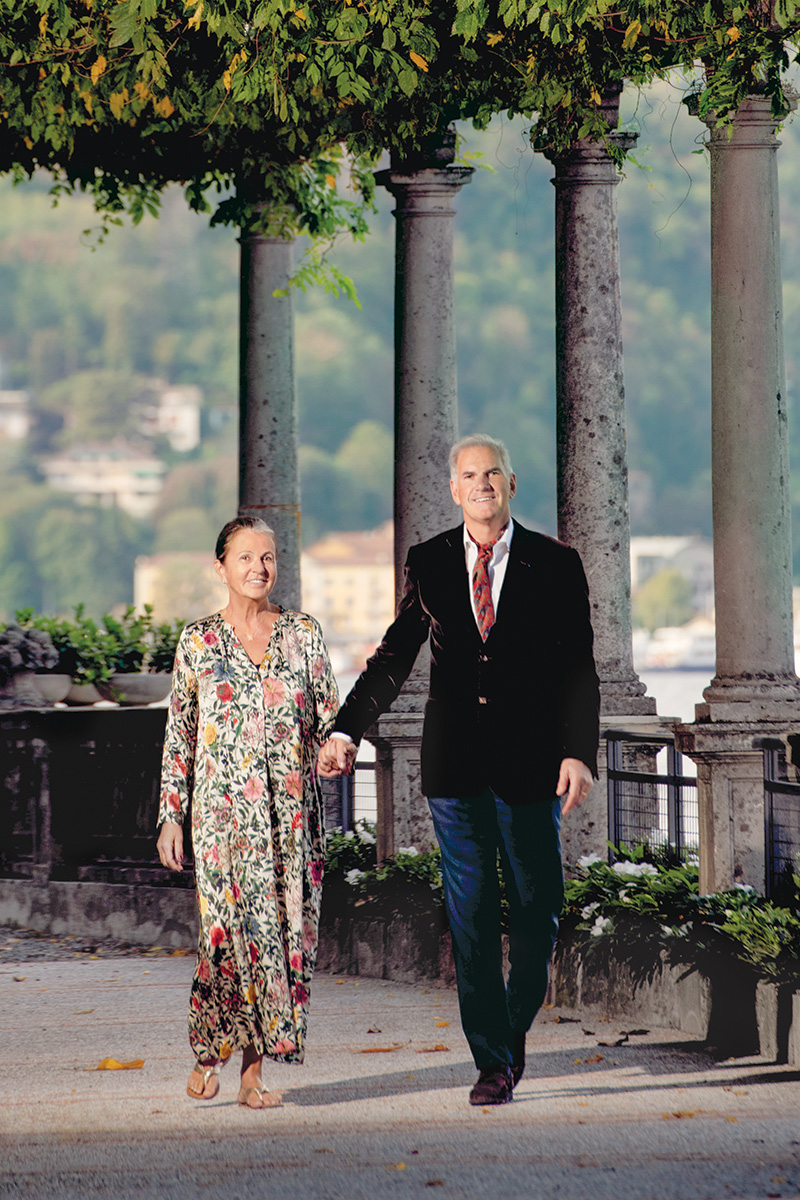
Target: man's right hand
[{"x": 336, "y": 757}]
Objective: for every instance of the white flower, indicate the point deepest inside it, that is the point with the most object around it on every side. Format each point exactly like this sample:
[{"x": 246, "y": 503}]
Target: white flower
[
  {"x": 667, "y": 930},
  {"x": 623, "y": 894},
  {"x": 353, "y": 876},
  {"x": 745, "y": 887},
  {"x": 349, "y": 834},
  {"x": 588, "y": 909},
  {"x": 366, "y": 837},
  {"x": 588, "y": 860},
  {"x": 601, "y": 924},
  {"x": 636, "y": 869},
  {"x": 411, "y": 851}
]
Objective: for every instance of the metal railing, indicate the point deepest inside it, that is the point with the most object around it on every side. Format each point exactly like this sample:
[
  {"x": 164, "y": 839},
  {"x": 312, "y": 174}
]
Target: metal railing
[
  {"x": 350, "y": 798},
  {"x": 782, "y": 822},
  {"x": 651, "y": 800}
]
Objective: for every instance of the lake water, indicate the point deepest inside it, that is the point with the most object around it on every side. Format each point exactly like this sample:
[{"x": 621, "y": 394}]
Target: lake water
[{"x": 676, "y": 692}]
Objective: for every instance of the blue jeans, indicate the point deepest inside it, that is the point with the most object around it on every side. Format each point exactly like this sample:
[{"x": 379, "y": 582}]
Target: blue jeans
[{"x": 471, "y": 831}]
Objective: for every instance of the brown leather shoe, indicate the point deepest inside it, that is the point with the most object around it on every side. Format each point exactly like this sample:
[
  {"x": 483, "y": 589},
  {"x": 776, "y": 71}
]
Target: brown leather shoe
[
  {"x": 518, "y": 1065},
  {"x": 494, "y": 1086}
]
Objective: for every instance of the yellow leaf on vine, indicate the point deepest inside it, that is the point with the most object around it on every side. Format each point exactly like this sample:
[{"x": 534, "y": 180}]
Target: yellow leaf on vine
[
  {"x": 86, "y": 97},
  {"x": 117, "y": 102},
  {"x": 331, "y": 181},
  {"x": 418, "y": 60},
  {"x": 493, "y": 38},
  {"x": 43, "y": 25},
  {"x": 194, "y": 19},
  {"x": 733, "y": 34},
  {"x": 595, "y": 96},
  {"x": 142, "y": 90},
  {"x": 165, "y": 108},
  {"x": 98, "y": 68}
]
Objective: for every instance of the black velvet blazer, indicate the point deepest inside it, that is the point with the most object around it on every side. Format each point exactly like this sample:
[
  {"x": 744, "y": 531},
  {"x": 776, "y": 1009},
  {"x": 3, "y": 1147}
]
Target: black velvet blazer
[{"x": 503, "y": 713}]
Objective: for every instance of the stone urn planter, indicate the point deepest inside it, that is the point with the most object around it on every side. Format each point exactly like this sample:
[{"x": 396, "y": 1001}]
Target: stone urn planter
[
  {"x": 82, "y": 693},
  {"x": 136, "y": 688},
  {"x": 53, "y": 687}
]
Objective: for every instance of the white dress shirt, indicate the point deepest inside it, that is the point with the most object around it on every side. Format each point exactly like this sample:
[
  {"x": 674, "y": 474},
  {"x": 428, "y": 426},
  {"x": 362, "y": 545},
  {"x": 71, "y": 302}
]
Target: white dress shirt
[{"x": 497, "y": 564}]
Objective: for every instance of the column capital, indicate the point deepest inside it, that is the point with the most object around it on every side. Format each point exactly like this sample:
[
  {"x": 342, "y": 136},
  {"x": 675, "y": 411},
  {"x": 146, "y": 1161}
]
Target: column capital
[
  {"x": 421, "y": 190},
  {"x": 753, "y": 126}
]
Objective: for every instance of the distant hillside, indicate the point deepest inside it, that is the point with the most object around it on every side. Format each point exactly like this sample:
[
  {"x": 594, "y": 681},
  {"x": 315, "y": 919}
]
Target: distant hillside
[{"x": 161, "y": 301}]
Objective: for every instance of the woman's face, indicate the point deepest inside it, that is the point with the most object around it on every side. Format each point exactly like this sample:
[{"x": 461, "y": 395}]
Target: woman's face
[{"x": 249, "y": 568}]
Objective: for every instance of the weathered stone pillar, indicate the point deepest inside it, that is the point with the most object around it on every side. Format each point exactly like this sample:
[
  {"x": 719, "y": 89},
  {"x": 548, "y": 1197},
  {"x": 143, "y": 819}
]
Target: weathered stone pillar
[
  {"x": 755, "y": 691},
  {"x": 426, "y": 425},
  {"x": 269, "y": 484},
  {"x": 592, "y": 469}
]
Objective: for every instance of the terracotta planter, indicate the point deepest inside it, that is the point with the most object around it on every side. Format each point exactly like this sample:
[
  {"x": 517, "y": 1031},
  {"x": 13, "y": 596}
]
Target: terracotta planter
[
  {"x": 53, "y": 687},
  {"x": 137, "y": 688}
]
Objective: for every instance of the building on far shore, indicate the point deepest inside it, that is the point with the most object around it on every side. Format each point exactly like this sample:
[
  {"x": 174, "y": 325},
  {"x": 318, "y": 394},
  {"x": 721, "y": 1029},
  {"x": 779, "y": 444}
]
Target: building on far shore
[
  {"x": 348, "y": 585},
  {"x": 691, "y": 554},
  {"x": 108, "y": 473}
]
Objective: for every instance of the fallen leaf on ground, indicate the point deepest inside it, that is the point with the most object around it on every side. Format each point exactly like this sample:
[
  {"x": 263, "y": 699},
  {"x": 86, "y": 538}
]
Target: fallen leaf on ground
[
  {"x": 634, "y": 1032},
  {"x": 595, "y": 1058},
  {"x": 19, "y": 978},
  {"x": 397, "y": 1166},
  {"x": 433, "y": 1049},
  {"x": 588, "y": 1032},
  {"x": 111, "y": 1064},
  {"x": 182, "y": 952},
  {"x": 733, "y": 1120},
  {"x": 566, "y": 1021},
  {"x": 680, "y": 1116},
  {"x": 380, "y": 1049},
  {"x": 734, "y": 1092},
  {"x": 375, "y": 1030},
  {"x": 339, "y": 982},
  {"x": 619, "y": 1042},
  {"x": 434, "y": 1183},
  {"x": 83, "y": 1012},
  {"x": 442, "y": 1024}
]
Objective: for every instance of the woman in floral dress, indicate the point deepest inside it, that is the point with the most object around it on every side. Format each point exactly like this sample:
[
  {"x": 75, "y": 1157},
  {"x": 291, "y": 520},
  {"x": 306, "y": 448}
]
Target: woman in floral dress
[{"x": 253, "y": 695}]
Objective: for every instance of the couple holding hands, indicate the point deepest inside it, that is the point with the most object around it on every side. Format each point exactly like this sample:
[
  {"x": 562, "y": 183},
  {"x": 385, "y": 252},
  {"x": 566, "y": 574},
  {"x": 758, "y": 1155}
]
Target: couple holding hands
[{"x": 509, "y": 744}]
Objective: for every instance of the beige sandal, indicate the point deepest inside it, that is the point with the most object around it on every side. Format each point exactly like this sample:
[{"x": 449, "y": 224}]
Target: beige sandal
[
  {"x": 207, "y": 1073},
  {"x": 266, "y": 1098}
]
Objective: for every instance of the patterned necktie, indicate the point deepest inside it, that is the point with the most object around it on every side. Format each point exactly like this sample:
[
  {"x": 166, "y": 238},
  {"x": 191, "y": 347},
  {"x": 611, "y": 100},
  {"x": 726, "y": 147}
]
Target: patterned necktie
[{"x": 482, "y": 588}]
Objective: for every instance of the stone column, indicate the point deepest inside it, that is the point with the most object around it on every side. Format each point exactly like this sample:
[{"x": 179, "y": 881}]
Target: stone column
[
  {"x": 755, "y": 691},
  {"x": 269, "y": 484},
  {"x": 592, "y": 468},
  {"x": 426, "y": 425}
]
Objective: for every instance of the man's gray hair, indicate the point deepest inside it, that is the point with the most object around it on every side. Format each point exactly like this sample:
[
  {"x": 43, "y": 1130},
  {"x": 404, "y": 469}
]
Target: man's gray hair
[{"x": 480, "y": 439}]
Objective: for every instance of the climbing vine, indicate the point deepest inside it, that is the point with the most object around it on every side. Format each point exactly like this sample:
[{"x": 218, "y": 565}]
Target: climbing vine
[{"x": 249, "y": 102}]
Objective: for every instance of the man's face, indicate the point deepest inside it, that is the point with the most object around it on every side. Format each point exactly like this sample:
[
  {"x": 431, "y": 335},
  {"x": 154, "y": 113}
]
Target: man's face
[{"x": 481, "y": 489}]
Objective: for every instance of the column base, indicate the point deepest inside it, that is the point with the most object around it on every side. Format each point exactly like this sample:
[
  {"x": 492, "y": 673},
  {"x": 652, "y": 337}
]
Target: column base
[
  {"x": 730, "y": 782},
  {"x": 403, "y": 814},
  {"x": 741, "y": 700}
]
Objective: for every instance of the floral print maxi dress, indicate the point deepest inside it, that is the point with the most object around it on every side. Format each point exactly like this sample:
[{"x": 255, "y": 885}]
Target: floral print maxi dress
[{"x": 240, "y": 743}]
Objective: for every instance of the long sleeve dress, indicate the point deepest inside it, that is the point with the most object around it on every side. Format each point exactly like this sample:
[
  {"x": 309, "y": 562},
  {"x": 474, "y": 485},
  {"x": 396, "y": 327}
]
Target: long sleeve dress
[{"x": 240, "y": 745}]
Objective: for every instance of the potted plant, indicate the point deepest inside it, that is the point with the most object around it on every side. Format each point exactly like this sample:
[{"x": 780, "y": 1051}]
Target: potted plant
[
  {"x": 22, "y": 653},
  {"x": 139, "y": 655},
  {"x": 81, "y": 656}
]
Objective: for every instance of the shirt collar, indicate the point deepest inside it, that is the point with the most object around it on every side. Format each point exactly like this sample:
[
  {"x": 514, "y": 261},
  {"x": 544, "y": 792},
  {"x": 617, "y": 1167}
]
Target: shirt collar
[{"x": 502, "y": 545}]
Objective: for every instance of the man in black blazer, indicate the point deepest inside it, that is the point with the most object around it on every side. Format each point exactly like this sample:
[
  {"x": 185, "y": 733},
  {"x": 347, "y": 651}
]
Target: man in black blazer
[{"x": 511, "y": 724}]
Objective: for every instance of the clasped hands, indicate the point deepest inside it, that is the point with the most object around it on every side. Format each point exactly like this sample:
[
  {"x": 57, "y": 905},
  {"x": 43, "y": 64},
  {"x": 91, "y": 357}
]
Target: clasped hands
[{"x": 336, "y": 757}]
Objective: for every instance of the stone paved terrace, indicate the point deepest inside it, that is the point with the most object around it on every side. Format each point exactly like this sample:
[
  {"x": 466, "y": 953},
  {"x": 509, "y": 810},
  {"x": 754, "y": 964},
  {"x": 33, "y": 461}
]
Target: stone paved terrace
[{"x": 378, "y": 1110}]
